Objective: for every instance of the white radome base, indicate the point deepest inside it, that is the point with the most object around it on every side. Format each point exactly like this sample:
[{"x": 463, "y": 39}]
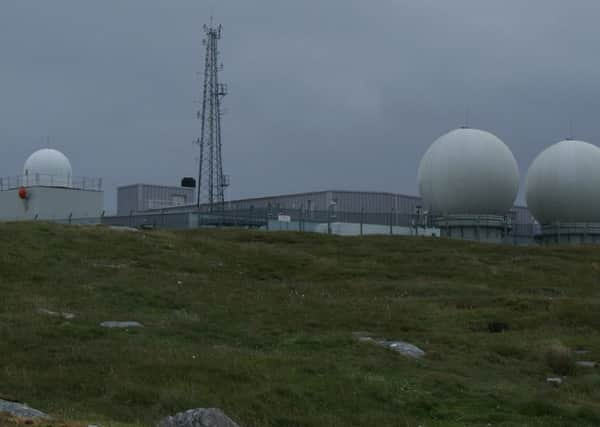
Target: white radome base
[
  {"x": 479, "y": 228},
  {"x": 573, "y": 233}
]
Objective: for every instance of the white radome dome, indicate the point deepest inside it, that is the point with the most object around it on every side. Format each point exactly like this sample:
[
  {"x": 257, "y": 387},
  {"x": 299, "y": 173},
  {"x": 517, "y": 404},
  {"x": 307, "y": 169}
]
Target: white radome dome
[
  {"x": 48, "y": 167},
  {"x": 468, "y": 171},
  {"x": 563, "y": 183}
]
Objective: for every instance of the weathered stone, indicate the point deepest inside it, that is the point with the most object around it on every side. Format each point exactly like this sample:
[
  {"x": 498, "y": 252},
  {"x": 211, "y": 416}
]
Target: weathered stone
[
  {"x": 402, "y": 347},
  {"x": 64, "y": 315},
  {"x": 201, "y": 417},
  {"x": 405, "y": 348},
  {"x": 116, "y": 324},
  {"x": 20, "y": 410},
  {"x": 586, "y": 364}
]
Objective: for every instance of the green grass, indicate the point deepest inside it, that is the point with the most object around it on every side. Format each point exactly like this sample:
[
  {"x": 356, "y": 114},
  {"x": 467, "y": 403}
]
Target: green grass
[{"x": 260, "y": 325}]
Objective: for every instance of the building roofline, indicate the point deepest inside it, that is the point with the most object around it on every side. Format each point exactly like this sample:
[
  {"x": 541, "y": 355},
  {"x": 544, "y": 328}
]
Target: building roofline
[
  {"x": 319, "y": 192},
  {"x": 154, "y": 185}
]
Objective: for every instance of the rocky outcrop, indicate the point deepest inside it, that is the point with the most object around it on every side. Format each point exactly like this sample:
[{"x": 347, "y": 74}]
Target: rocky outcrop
[{"x": 201, "y": 417}]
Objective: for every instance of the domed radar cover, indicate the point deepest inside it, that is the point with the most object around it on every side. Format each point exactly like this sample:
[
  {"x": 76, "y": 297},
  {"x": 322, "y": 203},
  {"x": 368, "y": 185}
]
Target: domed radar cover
[
  {"x": 563, "y": 184},
  {"x": 468, "y": 171},
  {"x": 48, "y": 167}
]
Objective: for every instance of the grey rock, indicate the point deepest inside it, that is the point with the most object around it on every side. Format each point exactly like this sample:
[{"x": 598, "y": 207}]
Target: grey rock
[
  {"x": 402, "y": 347},
  {"x": 201, "y": 417},
  {"x": 586, "y": 364},
  {"x": 554, "y": 381},
  {"x": 117, "y": 324},
  {"x": 581, "y": 352},
  {"x": 20, "y": 410},
  {"x": 64, "y": 315},
  {"x": 405, "y": 348}
]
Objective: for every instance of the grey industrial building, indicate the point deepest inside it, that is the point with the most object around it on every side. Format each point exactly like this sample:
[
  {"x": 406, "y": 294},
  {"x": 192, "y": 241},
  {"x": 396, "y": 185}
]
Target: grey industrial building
[
  {"x": 337, "y": 205},
  {"x": 333, "y": 200},
  {"x": 146, "y": 197},
  {"x": 350, "y": 202}
]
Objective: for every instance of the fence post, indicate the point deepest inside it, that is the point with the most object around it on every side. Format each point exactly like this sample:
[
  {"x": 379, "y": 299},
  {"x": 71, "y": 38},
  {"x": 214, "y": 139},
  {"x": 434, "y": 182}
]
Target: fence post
[
  {"x": 362, "y": 219},
  {"x": 70, "y": 217},
  {"x": 392, "y": 222}
]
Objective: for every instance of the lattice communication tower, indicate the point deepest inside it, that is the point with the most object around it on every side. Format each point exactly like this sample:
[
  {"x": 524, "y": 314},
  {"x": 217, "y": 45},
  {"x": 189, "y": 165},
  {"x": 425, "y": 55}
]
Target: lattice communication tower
[{"x": 211, "y": 180}]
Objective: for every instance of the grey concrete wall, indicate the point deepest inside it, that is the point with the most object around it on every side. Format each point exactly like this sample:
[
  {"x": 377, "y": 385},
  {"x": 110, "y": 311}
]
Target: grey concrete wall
[
  {"x": 50, "y": 203},
  {"x": 350, "y": 229},
  {"x": 128, "y": 199}
]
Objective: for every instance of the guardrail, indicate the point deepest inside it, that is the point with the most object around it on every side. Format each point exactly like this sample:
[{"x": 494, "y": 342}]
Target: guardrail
[{"x": 43, "y": 180}]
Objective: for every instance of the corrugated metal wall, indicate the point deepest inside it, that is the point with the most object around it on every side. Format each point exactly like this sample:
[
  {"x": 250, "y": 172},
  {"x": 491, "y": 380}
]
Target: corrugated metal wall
[
  {"x": 143, "y": 197},
  {"x": 345, "y": 201},
  {"x": 307, "y": 201}
]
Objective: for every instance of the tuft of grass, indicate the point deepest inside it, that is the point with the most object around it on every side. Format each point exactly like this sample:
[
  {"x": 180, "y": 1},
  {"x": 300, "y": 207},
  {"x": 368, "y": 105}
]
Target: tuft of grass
[{"x": 560, "y": 358}]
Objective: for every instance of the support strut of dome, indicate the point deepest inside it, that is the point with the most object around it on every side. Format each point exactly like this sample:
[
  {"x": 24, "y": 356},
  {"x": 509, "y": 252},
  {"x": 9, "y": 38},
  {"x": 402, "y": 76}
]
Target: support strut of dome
[
  {"x": 480, "y": 228},
  {"x": 570, "y": 233}
]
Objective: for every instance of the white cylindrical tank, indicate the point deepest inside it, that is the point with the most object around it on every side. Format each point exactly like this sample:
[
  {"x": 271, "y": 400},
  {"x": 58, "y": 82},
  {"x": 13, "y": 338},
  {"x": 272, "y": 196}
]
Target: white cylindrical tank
[
  {"x": 468, "y": 171},
  {"x": 48, "y": 167},
  {"x": 563, "y": 184}
]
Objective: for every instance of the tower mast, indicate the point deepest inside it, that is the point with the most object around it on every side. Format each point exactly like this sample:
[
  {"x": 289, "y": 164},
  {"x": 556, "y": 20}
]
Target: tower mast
[{"x": 211, "y": 180}]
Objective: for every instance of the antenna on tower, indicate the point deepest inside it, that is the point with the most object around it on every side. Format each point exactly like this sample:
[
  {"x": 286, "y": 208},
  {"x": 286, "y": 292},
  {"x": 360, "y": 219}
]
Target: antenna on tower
[{"x": 211, "y": 180}]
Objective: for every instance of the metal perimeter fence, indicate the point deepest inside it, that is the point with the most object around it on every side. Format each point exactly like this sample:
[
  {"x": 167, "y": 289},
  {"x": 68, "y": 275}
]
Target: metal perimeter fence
[{"x": 344, "y": 223}]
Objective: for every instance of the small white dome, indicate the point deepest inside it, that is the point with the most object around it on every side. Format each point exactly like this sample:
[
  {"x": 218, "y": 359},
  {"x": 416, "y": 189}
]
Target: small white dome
[
  {"x": 48, "y": 167},
  {"x": 563, "y": 183},
  {"x": 468, "y": 171}
]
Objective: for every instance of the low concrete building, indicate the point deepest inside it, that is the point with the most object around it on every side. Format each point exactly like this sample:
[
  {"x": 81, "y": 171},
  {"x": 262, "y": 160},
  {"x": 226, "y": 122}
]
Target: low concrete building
[{"x": 47, "y": 191}]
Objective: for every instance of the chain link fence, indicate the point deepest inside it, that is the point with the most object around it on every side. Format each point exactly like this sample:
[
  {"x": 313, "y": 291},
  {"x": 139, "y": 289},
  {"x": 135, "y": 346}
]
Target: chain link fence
[{"x": 330, "y": 222}]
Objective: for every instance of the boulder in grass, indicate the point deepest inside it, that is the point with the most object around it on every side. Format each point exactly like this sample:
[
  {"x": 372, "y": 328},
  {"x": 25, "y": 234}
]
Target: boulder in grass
[
  {"x": 402, "y": 347},
  {"x": 20, "y": 410},
  {"x": 201, "y": 417}
]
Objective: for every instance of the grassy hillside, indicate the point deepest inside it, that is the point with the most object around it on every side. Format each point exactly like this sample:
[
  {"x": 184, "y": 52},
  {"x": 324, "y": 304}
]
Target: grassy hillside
[{"x": 261, "y": 326}]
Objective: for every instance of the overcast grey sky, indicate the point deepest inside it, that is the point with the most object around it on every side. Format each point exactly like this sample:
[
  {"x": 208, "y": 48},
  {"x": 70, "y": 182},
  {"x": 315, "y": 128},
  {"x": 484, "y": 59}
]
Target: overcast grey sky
[{"x": 344, "y": 94}]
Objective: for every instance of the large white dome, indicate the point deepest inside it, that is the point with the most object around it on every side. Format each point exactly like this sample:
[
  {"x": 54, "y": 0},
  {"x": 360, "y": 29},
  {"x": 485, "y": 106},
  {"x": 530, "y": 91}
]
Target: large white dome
[
  {"x": 468, "y": 171},
  {"x": 563, "y": 183},
  {"x": 48, "y": 167}
]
